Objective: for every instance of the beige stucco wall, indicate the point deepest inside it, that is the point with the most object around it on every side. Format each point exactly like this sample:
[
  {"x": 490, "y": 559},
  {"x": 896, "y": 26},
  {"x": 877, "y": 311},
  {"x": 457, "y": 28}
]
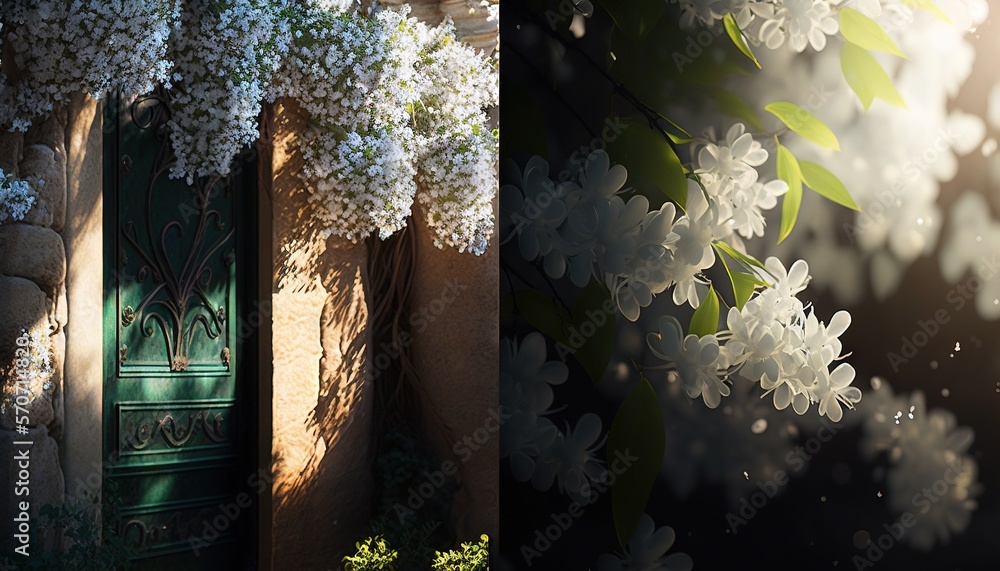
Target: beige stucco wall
[
  {"x": 322, "y": 441},
  {"x": 456, "y": 351},
  {"x": 456, "y": 357},
  {"x": 83, "y": 234}
]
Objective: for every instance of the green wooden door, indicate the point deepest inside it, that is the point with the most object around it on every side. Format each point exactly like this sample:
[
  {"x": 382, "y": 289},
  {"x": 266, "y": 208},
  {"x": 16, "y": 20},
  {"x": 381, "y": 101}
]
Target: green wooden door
[{"x": 179, "y": 396}]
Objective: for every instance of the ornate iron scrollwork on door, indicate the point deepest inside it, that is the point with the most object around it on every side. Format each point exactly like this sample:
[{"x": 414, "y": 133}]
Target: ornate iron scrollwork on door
[{"x": 177, "y": 300}]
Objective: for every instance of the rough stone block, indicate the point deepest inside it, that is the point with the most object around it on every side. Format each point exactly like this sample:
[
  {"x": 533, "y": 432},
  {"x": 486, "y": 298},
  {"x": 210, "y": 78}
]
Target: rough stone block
[
  {"x": 51, "y": 131},
  {"x": 40, "y": 162},
  {"x": 11, "y": 145},
  {"x": 33, "y": 253},
  {"x": 22, "y": 306}
]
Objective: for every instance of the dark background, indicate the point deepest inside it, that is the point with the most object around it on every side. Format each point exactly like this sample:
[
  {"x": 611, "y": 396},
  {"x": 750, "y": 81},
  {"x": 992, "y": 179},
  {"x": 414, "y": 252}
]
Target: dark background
[{"x": 796, "y": 529}]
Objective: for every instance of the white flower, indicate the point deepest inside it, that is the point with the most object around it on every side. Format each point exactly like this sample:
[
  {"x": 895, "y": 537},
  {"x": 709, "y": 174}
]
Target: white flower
[
  {"x": 755, "y": 343},
  {"x": 834, "y": 389},
  {"x": 225, "y": 54},
  {"x": 645, "y": 272},
  {"x": 525, "y": 395},
  {"x": 788, "y": 283},
  {"x": 801, "y": 22},
  {"x": 647, "y": 551},
  {"x": 699, "y": 362},
  {"x": 749, "y": 203},
  {"x": 599, "y": 179},
  {"x": 525, "y": 436},
  {"x": 95, "y": 47},
  {"x": 709, "y": 12},
  {"x": 17, "y": 197},
  {"x": 734, "y": 161}
]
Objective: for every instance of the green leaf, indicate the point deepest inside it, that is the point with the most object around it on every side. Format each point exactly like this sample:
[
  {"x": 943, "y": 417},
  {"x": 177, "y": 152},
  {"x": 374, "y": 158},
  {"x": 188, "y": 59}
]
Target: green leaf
[
  {"x": 705, "y": 320},
  {"x": 542, "y": 313},
  {"x": 635, "y": 17},
  {"x": 929, "y": 7},
  {"x": 683, "y": 138},
  {"x": 744, "y": 283},
  {"x": 592, "y": 334},
  {"x": 745, "y": 259},
  {"x": 864, "y": 32},
  {"x": 788, "y": 171},
  {"x": 651, "y": 161},
  {"x": 637, "y": 436},
  {"x": 729, "y": 22},
  {"x": 804, "y": 123},
  {"x": 826, "y": 184},
  {"x": 867, "y": 78},
  {"x": 731, "y": 104}
]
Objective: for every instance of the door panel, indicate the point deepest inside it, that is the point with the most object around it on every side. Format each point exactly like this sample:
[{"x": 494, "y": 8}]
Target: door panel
[{"x": 178, "y": 401}]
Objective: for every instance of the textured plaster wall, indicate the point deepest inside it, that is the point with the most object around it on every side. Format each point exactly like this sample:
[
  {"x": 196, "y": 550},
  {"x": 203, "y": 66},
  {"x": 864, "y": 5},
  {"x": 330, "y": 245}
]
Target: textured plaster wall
[
  {"x": 457, "y": 356},
  {"x": 322, "y": 440},
  {"x": 83, "y": 234}
]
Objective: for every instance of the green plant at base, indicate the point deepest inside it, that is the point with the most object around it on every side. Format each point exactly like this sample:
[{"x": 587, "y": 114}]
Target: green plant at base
[
  {"x": 469, "y": 557},
  {"x": 374, "y": 554}
]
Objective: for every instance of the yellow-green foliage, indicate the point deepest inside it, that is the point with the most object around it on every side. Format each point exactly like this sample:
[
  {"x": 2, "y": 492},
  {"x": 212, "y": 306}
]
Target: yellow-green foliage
[
  {"x": 471, "y": 557},
  {"x": 374, "y": 554}
]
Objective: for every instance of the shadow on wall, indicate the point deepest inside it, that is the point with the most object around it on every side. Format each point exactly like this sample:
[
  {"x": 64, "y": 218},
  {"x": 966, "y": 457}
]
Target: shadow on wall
[{"x": 322, "y": 404}]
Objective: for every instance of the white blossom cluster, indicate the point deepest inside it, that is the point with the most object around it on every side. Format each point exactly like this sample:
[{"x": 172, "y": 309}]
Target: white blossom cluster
[
  {"x": 389, "y": 98},
  {"x": 931, "y": 472},
  {"x": 728, "y": 171},
  {"x": 225, "y": 54},
  {"x": 364, "y": 183},
  {"x": 773, "y": 341},
  {"x": 585, "y": 228},
  {"x": 773, "y": 23},
  {"x": 354, "y": 74},
  {"x": 457, "y": 149},
  {"x": 392, "y": 99},
  {"x": 539, "y": 451},
  {"x": 17, "y": 197},
  {"x": 92, "y": 46},
  {"x": 893, "y": 160}
]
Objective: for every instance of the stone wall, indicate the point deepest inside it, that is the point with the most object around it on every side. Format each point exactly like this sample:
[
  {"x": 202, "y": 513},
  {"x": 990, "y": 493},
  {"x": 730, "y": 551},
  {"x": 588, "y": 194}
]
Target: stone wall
[
  {"x": 33, "y": 295},
  {"x": 457, "y": 356},
  {"x": 322, "y": 442}
]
